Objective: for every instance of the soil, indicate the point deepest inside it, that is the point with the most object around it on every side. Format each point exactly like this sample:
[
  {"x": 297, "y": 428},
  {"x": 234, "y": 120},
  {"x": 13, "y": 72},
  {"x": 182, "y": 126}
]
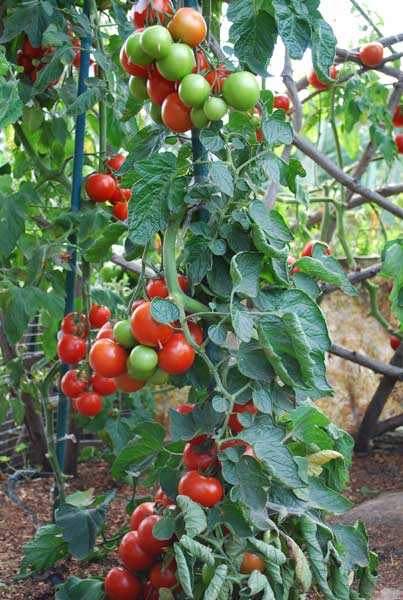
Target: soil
[{"x": 377, "y": 472}]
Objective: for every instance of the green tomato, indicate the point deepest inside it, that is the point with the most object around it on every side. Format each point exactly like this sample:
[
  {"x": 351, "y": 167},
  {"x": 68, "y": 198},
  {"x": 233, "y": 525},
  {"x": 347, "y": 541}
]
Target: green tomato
[
  {"x": 135, "y": 52},
  {"x": 207, "y": 573},
  {"x": 194, "y": 90},
  {"x": 171, "y": 140},
  {"x": 178, "y": 63},
  {"x": 155, "y": 113},
  {"x": 215, "y": 108},
  {"x": 198, "y": 118},
  {"x": 241, "y": 90},
  {"x": 132, "y": 250},
  {"x": 142, "y": 362},
  {"x": 255, "y": 121},
  {"x": 156, "y": 41},
  {"x": 159, "y": 377},
  {"x": 138, "y": 88},
  {"x": 123, "y": 334}
]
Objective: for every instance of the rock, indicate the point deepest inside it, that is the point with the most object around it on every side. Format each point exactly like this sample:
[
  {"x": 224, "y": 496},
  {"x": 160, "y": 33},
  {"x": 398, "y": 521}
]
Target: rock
[
  {"x": 385, "y": 509},
  {"x": 389, "y": 594}
]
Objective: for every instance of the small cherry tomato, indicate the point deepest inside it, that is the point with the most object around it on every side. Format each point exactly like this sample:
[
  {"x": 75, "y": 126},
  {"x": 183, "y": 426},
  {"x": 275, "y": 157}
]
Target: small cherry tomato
[
  {"x": 71, "y": 349},
  {"x": 108, "y": 358},
  {"x": 399, "y": 143},
  {"x": 188, "y": 26},
  {"x": 207, "y": 491},
  {"x": 100, "y": 187},
  {"x": 315, "y": 82},
  {"x": 199, "y": 457},
  {"x": 116, "y": 162},
  {"x": 371, "y": 55},
  {"x": 184, "y": 409},
  {"x": 145, "y": 12},
  {"x": 73, "y": 383},
  {"x": 146, "y": 330},
  {"x": 282, "y": 101},
  {"x": 163, "y": 575},
  {"x": 136, "y": 303},
  {"x": 251, "y": 562},
  {"x": 217, "y": 77},
  {"x": 122, "y": 585},
  {"x": 233, "y": 422},
  {"x": 307, "y": 251},
  {"x": 160, "y": 496},
  {"x": 127, "y": 383},
  {"x": 177, "y": 355},
  {"x": 75, "y": 324},
  {"x": 147, "y": 540},
  {"x": 99, "y": 315},
  {"x": 290, "y": 261},
  {"x": 129, "y": 66},
  {"x": 175, "y": 114},
  {"x": 158, "y": 88},
  {"x": 196, "y": 332},
  {"x": 121, "y": 211},
  {"x": 103, "y": 385},
  {"x": 394, "y": 342},
  {"x": 398, "y": 117},
  {"x": 106, "y": 331},
  {"x": 143, "y": 510},
  {"x": 88, "y": 404},
  {"x": 132, "y": 555}
]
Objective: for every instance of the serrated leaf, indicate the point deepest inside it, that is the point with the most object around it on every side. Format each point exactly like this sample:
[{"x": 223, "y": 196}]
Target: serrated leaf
[
  {"x": 198, "y": 550},
  {"x": 193, "y": 515},
  {"x": 323, "y": 46},
  {"x": 293, "y": 27},
  {"x": 270, "y": 221},
  {"x": 276, "y": 130},
  {"x": 245, "y": 272},
  {"x": 302, "y": 570},
  {"x": 183, "y": 571},
  {"x": 211, "y": 139},
  {"x": 255, "y": 36},
  {"x": 102, "y": 246},
  {"x": 10, "y": 103},
  {"x": 164, "y": 311},
  {"x": 213, "y": 590},
  {"x": 43, "y": 551},
  {"x": 221, "y": 177},
  {"x": 86, "y": 100},
  {"x": 242, "y": 323},
  {"x": 81, "y": 589}
]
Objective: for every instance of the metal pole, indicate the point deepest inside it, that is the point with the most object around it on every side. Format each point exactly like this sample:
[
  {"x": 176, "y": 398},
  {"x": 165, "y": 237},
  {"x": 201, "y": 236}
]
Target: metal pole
[{"x": 78, "y": 161}]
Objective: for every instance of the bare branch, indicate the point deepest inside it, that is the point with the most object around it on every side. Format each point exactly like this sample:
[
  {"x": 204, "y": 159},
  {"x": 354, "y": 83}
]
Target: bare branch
[
  {"x": 389, "y": 424},
  {"x": 388, "y": 370},
  {"x": 349, "y": 182},
  {"x": 355, "y": 277},
  {"x": 386, "y": 191},
  {"x": 131, "y": 265}
]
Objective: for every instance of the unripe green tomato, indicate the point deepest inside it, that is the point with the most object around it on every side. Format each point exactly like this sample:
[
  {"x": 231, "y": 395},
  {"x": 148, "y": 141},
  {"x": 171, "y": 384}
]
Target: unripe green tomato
[
  {"x": 215, "y": 108},
  {"x": 155, "y": 113},
  {"x": 171, "y": 140},
  {"x": 142, "y": 362},
  {"x": 178, "y": 63},
  {"x": 241, "y": 90},
  {"x": 255, "y": 121},
  {"x": 207, "y": 573},
  {"x": 198, "y": 118},
  {"x": 123, "y": 334},
  {"x": 132, "y": 250},
  {"x": 135, "y": 52},
  {"x": 159, "y": 377},
  {"x": 138, "y": 88},
  {"x": 156, "y": 41},
  {"x": 194, "y": 90}
]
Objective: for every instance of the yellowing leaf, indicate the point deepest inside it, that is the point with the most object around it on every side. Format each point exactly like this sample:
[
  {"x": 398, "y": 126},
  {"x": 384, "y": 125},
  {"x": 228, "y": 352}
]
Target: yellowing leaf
[{"x": 316, "y": 460}]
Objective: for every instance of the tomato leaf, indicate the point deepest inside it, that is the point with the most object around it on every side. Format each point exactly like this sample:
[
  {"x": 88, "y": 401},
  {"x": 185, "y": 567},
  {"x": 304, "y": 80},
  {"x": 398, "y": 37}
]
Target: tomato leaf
[
  {"x": 270, "y": 221},
  {"x": 216, "y": 584},
  {"x": 323, "y": 46},
  {"x": 253, "y": 363},
  {"x": 293, "y": 26},
  {"x": 81, "y": 589},
  {"x": 198, "y": 550},
  {"x": 202, "y": 419},
  {"x": 245, "y": 272},
  {"x": 184, "y": 572},
  {"x": 193, "y": 515},
  {"x": 164, "y": 311},
  {"x": 255, "y": 36},
  {"x": 43, "y": 551},
  {"x": 221, "y": 177},
  {"x": 141, "y": 451}
]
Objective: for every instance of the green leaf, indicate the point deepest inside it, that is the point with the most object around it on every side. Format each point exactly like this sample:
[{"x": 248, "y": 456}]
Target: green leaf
[
  {"x": 252, "y": 482},
  {"x": 102, "y": 246},
  {"x": 202, "y": 419},
  {"x": 355, "y": 546},
  {"x": 213, "y": 590},
  {"x": 211, "y": 139},
  {"x": 255, "y": 36},
  {"x": 323, "y": 498},
  {"x": 31, "y": 17},
  {"x": 19, "y": 306},
  {"x": 13, "y": 216},
  {"x": 242, "y": 322},
  {"x": 276, "y": 130},
  {"x": 262, "y": 398},
  {"x": 323, "y": 46},
  {"x": 43, "y": 551},
  {"x": 157, "y": 191},
  {"x": 293, "y": 28},
  {"x": 327, "y": 268},
  {"x": 245, "y": 272},
  {"x": 218, "y": 333},
  {"x": 81, "y": 589},
  {"x": 86, "y": 100},
  {"x": 145, "y": 143},
  {"x": 10, "y": 103},
  {"x": 221, "y": 177},
  {"x": 198, "y": 258},
  {"x": 270, "y": 221},
  {"x": 193, "y": 515},
  {"x": 141, "y": 451},
  {"x": 164, "y": 311},
  {"x": 54, "y": 68},
  {"x": 198, "y": 550},
  {"x": 309, "y": 531},
  {"x": 257, "y": 583},
  {"x": 183, "y": 571},
  {"x": 252, "y": 362},
  {"x": 267, "y": 440},
  {"x": 80, "y": 527}
]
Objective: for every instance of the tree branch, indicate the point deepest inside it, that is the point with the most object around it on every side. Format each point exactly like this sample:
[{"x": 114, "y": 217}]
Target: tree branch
[
  {"x": 349, "y": 182},
  {"x": 133, "y": 266},
  {"x": 388, "y": 370},
  {"x": 354, "y": 277},
  {"x": 389, "y": 424}
]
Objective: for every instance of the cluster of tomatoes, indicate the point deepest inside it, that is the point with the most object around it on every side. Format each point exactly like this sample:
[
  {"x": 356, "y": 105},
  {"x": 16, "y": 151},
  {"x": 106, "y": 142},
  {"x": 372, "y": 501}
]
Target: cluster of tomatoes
[
  {"x": 104, "y": 187},
  {"x": 307, "y": 251},
  {"x": 165, "y": 67},
  {"x": 148, "y": 561},
  {"x": 85, "y": 391},
  {"x": 397, "y": 121}
]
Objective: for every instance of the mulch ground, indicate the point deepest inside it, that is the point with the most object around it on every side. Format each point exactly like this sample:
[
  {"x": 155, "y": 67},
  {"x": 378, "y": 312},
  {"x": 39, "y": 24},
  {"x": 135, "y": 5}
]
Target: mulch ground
[{"x": 379, "y": 471}]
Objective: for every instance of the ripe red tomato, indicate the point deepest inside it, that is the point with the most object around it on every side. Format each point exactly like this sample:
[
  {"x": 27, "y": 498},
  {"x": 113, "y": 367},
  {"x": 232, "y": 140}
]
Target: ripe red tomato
[
  {"x": 121, "y": 211},
  {"x": 106, "y": 331},
  {"x": 251, "y": 562},
  {"x": 282, "y": 101},
  {"x": 230, "y": 443},
  {"x": 161, "y": 497},
  {"x": 132, "y": 555},
  {"x": 88, "y": 404},
  {"x": 315, "y": 82},
  {"x": 143, "y": 510},
  {"x": 103, "y": 385},
  {"x": 158, "y": 287},
  {"x": 399, "y": 143},
  {"x": 100, "y": 187},
  {"x": 146, "y": 330},
  {"x": 130, "y": 67},
  {"x": 233, "y": 422},
  {"x": 307, "y": 251},
  {"x": 158, "y": 88},
  {"x": 371, "y": 55},
  {"x": 117, "y": 195},
  {"x": 99, "y": 315},
  {"x": 394, "y": 342},
  {"x": 116, "y": 162},
  {"x": 76, "y": 324},
  {"x": 188, "y": 26},
  {"x": 149, "y": 593},
  {"x": 122, "y": 585},
  {"x": 196, "y": 332},
  {"x": 30, "y": 50},
  {"x": 201, "y": 62},
  {"x": 200, "y": 456},
  {"x": 147, "y": 541},
  {"x": 24, "y": 61},
  {"x": 398, "y": 117},
  {"x": 127, "y": 383},
  {"x": 164, "y": 576},
  {"x": 177, "y": 355},
  {"x": 184, "y": 409},
  {"x": 108, "y": 358},
  {"x": 71, "y": 349},
  {"x": 137, "y": 303},
  {"x": 73, "y": 383},
  {"x": 217, "y": 77},
  {"x": 175, "y": 114},
  {"x": 144, "y": 12},
  {"x": 290, "y": 261},
  {"x": 207, "y": 491}
]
